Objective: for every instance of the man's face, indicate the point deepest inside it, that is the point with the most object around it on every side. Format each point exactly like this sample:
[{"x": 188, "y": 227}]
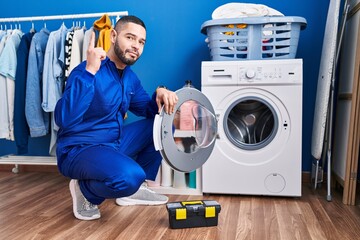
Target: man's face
[{"x": 129, "y": 43}]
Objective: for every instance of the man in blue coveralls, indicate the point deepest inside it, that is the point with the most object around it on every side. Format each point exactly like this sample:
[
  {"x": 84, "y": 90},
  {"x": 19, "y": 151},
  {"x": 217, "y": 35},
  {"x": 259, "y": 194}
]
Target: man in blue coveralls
[{"x": 104, "y": 158}]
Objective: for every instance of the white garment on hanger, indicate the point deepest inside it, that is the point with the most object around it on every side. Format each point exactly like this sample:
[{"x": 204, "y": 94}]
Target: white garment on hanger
[
  {"x": 86, "y": 42},
  {"x": 76, "y": 50}
]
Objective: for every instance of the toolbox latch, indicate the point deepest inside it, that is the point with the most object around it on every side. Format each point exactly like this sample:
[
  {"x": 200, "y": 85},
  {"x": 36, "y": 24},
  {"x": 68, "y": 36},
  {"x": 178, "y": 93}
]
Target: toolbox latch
[
  {"x": 210, "y": 212},
  {"x": 180, "y": 213}
]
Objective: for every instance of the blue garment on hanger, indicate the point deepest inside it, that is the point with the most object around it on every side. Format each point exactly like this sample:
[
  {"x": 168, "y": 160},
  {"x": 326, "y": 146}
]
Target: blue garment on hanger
[
  {"x": 8, "y": 62},
  {"x": 21, "y": 128},
  {"x": 37, "y": 118}
]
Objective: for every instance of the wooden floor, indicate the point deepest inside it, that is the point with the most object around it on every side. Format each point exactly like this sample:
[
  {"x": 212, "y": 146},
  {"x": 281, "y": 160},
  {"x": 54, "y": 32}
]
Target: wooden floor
[{"x": 37, "y": 205}]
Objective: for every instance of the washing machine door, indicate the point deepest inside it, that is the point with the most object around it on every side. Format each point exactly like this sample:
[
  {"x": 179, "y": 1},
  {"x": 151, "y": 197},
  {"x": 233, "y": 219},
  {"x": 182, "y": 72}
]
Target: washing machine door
[{"x": 186, "y": 137}]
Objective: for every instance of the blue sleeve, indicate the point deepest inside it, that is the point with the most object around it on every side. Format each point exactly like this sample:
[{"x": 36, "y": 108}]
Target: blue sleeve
[
  {"x": 76, "y": 99},
  {"x": 48, "y": 74}
]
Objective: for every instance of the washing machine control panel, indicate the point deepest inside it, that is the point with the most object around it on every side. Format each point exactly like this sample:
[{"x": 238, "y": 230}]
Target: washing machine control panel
[
  {"x": 269, "y": 74},
  {"x": 226, "y": 73},
  {"x": 260, "y": 74}
]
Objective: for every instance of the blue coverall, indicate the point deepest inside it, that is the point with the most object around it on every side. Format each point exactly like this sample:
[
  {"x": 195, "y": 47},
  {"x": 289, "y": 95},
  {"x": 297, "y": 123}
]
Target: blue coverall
[{"x": 110, "y": 160}]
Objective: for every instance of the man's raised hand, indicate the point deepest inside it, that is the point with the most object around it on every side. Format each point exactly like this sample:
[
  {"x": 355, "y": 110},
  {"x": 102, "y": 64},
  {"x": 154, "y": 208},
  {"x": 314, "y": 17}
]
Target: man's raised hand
[{"x": 94, "y": 56}]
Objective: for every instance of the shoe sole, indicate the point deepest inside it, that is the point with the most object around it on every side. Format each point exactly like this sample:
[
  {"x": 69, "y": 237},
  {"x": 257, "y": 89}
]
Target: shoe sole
[
  {"x": 76, "y": 214},
  {"x": 130, "y": 202}
]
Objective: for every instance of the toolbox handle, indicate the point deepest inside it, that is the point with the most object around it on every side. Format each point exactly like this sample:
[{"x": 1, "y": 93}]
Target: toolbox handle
[{"x": 191, "y": 203}]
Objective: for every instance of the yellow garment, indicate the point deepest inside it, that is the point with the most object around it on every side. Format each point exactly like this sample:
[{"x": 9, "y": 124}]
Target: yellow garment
[
  {"x": 103, "y": 25},
  {"x": 242, "y": 26}
]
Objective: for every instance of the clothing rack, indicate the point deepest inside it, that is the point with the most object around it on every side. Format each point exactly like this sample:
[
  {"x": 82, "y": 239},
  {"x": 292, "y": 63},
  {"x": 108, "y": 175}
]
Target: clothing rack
[
  {"x": 61, "y": 17},
  {"x": 45, "y": 160}
]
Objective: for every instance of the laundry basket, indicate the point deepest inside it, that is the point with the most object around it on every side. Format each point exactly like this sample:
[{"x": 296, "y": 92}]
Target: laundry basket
[{"x": 253, "y": 38}]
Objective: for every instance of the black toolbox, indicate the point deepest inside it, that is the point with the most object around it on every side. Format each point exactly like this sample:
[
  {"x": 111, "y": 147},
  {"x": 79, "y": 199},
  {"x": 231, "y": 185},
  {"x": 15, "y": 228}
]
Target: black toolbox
[{"x": 189, "y": 214}]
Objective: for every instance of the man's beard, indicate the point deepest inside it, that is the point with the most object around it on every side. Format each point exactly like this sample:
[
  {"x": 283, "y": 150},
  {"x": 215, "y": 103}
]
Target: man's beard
[{"x": 121, "y": 55}]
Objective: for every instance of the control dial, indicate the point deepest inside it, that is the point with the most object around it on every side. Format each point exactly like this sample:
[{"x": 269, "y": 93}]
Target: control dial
[{"x": 250, "y": 73}]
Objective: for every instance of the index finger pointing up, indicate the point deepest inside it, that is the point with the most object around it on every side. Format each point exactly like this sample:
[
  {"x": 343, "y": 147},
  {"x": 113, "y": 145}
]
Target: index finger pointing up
[{"x": 92, "y": 41}]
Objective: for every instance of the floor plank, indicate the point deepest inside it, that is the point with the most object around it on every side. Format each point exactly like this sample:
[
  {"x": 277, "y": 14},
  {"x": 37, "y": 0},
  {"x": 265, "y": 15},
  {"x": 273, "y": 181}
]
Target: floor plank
[{"x": 37, "y": 205}]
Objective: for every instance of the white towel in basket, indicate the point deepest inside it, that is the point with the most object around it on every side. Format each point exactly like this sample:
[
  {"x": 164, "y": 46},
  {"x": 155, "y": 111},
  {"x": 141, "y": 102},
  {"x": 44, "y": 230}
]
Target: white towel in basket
[{"x": 237, "y": 10}]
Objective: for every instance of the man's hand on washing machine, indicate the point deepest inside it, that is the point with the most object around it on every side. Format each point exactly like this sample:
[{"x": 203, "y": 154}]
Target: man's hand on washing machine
[{"x": 166, "y": 98}]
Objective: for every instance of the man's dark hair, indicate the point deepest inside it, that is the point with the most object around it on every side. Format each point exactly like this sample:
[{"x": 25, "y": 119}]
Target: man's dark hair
[{"x": 128, "y": 19}]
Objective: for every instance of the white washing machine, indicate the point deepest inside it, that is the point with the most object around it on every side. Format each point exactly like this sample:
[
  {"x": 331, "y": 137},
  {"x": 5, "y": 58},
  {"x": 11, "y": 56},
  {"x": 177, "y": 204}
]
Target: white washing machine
[{"x": 258, "y": 106}]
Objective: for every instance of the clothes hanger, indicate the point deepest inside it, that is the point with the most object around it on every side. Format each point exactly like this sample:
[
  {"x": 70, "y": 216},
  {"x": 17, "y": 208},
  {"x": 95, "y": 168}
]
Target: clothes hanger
[
  {"x": 9, "y": 31},
  {"x": 32, "y": 29},
  {"x": 63, "y": 22},
  {"x": 84, "y": 25},
  {"x": 18, "y": 25},
  {"x": 44, "y": 23}
]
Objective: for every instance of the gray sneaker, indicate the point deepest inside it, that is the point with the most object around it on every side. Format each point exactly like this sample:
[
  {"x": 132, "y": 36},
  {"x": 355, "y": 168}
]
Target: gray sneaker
[
  {"x": 144, "y": 196},
  {"x": 82, "y": 208}
]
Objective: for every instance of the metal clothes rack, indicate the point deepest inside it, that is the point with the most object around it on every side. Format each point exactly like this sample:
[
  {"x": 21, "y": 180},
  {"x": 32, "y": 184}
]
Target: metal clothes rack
[
  {"x": 45, "y": 160},
  {"x": 62, "y": 17}
]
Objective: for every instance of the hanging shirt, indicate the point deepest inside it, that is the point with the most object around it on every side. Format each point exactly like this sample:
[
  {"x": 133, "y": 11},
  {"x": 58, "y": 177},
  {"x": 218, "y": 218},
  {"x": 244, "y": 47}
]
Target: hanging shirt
[
  {"x": 37, "y": 118},
  {"x": 54, "y": 76},
  {"x": 8, "y": 62},
  {"x": 86, "y": 42},
  {"x": 4, "y": 123},
  {"x": 21, "y": 128},
  {"x": 8, "y": 59},
  {"x": 92, "y": 108},
  {"x": 2, "y": 34},
  {"x": 54, "y": 64},
  {"x": 4, "y": 37},
  {"x": 76, "y": 48},
  {"x": 68, "y": 49}
]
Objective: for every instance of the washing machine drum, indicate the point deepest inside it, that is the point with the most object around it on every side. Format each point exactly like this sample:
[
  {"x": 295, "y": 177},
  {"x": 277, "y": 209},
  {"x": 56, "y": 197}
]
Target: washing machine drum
[
  {"x": 186, "y": 138},
  {"x": 251, "y": 124}
]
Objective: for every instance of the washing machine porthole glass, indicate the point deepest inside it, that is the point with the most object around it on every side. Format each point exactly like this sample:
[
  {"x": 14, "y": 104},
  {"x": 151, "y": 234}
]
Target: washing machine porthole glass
[
  {"x": 250, "y": 123},
  {"x": 194, "y": 127}
]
